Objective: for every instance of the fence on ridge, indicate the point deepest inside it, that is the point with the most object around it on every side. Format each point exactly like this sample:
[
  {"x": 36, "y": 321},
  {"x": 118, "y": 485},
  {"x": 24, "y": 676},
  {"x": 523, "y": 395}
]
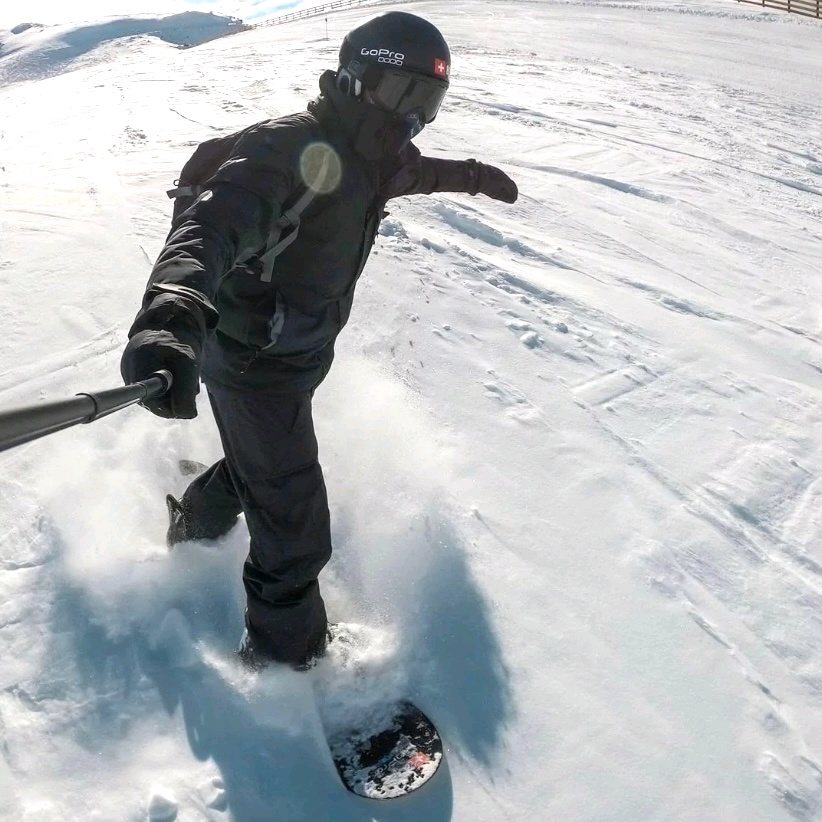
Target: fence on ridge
[
  {"x": 318, "y": 11},
  {"x": 808, "y": 8}
]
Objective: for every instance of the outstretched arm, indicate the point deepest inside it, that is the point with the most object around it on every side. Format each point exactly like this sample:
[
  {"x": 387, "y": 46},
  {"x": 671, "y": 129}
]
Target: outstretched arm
[
  {"x": 426, "y": 175},
  {"x": 226, "y": 224}
]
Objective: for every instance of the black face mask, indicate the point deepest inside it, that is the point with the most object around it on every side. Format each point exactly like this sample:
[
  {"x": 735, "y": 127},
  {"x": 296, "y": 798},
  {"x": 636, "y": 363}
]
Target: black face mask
[
  {"x": 400, "y": 132},
  {"x": 376, "y": 134}
]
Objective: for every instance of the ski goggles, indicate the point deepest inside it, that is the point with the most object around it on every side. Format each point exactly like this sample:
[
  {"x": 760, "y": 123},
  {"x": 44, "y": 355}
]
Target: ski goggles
[{"x": 406, "y": 93}]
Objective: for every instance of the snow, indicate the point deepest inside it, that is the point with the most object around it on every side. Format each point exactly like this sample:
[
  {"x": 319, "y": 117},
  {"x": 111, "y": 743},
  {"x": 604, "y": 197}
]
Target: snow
[
  {"x": 33, "y": 51},
  {"x": 53, "y": 12},
  {"x": 572, "y": 445}
]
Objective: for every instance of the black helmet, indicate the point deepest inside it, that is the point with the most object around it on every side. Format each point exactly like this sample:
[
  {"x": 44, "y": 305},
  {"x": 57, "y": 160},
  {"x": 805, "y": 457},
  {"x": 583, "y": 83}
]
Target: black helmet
[{"x": 399, "y": 62}]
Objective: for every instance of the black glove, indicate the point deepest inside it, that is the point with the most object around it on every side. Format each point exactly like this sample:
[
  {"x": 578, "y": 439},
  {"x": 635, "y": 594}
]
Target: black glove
[
  {"x": 168, "y": 333},
  {"x": 492, "y": 182},
  {"x": 149, "y": 351}
]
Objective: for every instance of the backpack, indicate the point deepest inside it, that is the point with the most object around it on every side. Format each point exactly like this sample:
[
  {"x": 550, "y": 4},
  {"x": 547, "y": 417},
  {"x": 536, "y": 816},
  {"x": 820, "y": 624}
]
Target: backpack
[{"x": 204, "y": 164}]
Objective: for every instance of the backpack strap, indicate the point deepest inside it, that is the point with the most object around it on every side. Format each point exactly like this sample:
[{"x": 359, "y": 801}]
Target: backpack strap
[{"x": 291, "y": 218}]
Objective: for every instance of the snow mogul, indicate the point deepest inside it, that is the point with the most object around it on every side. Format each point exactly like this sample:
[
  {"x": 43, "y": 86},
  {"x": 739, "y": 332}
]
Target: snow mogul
[{"x": 272, "y": 227}]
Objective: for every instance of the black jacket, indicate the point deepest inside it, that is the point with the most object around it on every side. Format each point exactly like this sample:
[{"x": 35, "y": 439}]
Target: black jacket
[{"x": 206, "y": 281}]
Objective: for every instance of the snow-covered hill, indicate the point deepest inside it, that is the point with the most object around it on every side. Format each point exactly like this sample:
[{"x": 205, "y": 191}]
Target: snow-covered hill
[
  {"x": 573, "y": 446},
  {"x": 32, "y": 51}
]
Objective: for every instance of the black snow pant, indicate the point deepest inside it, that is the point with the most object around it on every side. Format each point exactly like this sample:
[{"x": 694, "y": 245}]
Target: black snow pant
[{"x": 271, "y": 473}]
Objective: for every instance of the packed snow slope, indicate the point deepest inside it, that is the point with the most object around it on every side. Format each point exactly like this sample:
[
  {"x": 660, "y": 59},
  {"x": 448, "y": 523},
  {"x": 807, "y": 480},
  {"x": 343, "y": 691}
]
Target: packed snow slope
[{"x": 573, "y": 446}]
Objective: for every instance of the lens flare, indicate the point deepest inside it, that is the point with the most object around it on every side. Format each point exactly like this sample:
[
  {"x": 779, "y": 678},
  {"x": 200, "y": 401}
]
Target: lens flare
[{"x": 321, "y": 168}]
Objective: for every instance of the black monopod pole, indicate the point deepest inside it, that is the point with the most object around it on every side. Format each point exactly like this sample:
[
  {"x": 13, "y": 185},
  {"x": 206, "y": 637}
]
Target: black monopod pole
[{"x": 34, "y": 421}]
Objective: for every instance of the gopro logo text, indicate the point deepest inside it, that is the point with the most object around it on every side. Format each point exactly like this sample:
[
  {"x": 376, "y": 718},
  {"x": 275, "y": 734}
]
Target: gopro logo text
[{"x": 393, "y": 58}]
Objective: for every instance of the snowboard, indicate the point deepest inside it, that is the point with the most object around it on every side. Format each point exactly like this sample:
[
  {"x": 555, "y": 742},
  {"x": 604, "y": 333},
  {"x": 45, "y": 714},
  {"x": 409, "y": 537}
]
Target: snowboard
[
  {"x": 384, "y": 749},
  {"x": 392, "y": 757}
]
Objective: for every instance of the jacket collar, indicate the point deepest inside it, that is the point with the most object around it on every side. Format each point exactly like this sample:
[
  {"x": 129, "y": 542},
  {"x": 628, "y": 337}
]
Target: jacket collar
[{"x": 374, "y": 134}]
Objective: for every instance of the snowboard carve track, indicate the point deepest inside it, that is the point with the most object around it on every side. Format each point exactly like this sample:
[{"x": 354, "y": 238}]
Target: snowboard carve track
[
  {"x": 775, "y": 688},
  {"x": 26, "y": 376},
  {"x": 748, "y": 669},
  {"x": 766, "y": 556},
  {"x": 802, "y": 801},
  {"x": 701, "y": 507},
  {"x": 607, "y": 387}
]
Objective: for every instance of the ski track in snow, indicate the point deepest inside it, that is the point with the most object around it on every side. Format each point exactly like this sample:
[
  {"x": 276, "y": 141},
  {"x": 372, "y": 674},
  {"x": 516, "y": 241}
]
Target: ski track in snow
[{"x": 577, "y": 491}]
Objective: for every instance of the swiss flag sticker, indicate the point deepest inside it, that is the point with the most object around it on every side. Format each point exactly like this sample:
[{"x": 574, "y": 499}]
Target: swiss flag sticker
[{"x": 441, "y": 68}]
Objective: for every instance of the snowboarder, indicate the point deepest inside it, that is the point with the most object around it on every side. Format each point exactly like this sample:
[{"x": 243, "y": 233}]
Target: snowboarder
[{"x": 262, "y": 338}]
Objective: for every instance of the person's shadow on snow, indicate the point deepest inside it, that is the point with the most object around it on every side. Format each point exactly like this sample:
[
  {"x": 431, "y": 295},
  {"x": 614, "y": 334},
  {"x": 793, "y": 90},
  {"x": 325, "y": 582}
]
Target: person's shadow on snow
[
  {"x": 273, "y": 773},
  {"x": 462, "y": 677},
  {"x": 267, "y": 745}
]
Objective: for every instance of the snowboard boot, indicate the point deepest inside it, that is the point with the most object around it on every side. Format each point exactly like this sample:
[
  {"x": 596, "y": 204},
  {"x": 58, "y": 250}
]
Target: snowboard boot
[
  {"x": 248, "y": 654},
  {"x": 256, "y": 661},
  {"x": 183, "y": 528},
  {"x": 180, "y": 527},
  {"x": 191, "y": 468}
]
